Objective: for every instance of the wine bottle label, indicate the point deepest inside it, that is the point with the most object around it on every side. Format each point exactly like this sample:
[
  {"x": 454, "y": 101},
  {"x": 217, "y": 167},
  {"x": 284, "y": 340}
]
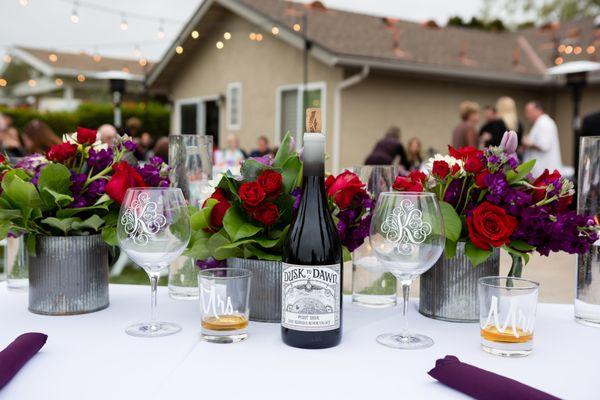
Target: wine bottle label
[{"x": 310, "y": 297}]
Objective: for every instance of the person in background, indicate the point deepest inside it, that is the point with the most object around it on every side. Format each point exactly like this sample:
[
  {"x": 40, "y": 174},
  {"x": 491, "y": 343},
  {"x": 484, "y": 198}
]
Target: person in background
[
  {"x": 413, "y": 154},
  {"x": 231, "y": 156},
  {"x": 465, "y": 133},
  {"x": 262, "y": 147},
  {"x": 591, "y": 125},
  {"x": 38, "y": 137},
  {"x": 507, "y": 113},
  {"x": 387, "y": 149},
  {"x": 10, "y": 140},
  {"x": 107, "y": 133},
  {"x": 161, "y": 148},
  {"x": 490, "y": 126},
  {"x": 541, "y": 144}
]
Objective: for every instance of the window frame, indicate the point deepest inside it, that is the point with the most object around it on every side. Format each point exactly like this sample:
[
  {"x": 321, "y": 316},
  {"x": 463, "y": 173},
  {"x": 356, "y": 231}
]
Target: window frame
[{"x": 228, "y": 101}]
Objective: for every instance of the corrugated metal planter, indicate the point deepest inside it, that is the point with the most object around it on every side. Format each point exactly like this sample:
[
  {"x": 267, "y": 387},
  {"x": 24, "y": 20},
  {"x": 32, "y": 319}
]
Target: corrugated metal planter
[
  {"x": 448, "y": 291},
  {"x": 68, "y": 275},
  {"x": 265, "y": 293}
]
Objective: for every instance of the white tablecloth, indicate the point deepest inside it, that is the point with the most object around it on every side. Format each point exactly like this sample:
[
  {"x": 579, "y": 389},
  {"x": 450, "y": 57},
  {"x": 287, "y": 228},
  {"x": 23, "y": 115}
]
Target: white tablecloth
[{"x": 90, "y": 356}]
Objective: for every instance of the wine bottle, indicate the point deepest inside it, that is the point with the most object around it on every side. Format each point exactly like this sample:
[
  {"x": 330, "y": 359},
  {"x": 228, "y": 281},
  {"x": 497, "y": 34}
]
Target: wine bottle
[{"x": 311, "y": 310}]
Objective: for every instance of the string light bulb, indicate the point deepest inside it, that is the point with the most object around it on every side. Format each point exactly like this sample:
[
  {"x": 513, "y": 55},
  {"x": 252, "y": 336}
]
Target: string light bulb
[
  {"x": 81, "y": 78},
  {"x": 252, "y": 36},
  {"x": 590, "y": 49},
  {"x": 143, "y": 62},
  {"x": 32, "y": 82},
  {"x": 7, "y": 59},
  {"x": 53, "y": 57},
  {"x": 297, "y": 27},
  {"x": 220, "y": 45},
  {"x": 275, "y": 30},
  {"x": 58, "y": 82},
  {"x": 561, "y": 48},
  {"x": 74, "y": 18},
  {"x": 558, "y": 60},
  {"x": 259, "y": 37},
  {"x": 179, "y": 49},
  {"x": 161, "y": 29},
  {"x": 577, "y": 50},
  {"x": 124, "y": 25},
  {"x": 97, "y": 57},
  {"x": 227, "y": 36},
  {"x": 125, "y": 69},
  {"x": 195, "y": 35},
  {"x": 24, "y": 3},
  {"x": 3, "y": 82},
  {"x": 569, "y": 49}
]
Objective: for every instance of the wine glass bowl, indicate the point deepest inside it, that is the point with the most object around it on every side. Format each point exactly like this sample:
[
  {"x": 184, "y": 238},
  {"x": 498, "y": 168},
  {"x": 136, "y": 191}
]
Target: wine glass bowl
[
  {"x": 153, "y": 229},
  {"x": 407, "y": 236}
]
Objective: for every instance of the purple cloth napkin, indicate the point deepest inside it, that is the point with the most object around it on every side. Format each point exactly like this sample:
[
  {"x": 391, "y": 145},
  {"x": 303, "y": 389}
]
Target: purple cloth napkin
[
  {"x": 481, "y": 384},
  {"x": 16, "y": 354}
]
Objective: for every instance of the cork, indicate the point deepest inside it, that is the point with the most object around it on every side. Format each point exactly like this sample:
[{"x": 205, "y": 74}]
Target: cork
[{"x": 313, "y": 120}]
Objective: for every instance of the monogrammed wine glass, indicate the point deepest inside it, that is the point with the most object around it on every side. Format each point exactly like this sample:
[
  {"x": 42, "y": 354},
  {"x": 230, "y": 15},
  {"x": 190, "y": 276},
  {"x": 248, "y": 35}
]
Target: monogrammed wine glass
[
  {"x": 407, "y": 236},
  {"x": 153, "y": 229}
]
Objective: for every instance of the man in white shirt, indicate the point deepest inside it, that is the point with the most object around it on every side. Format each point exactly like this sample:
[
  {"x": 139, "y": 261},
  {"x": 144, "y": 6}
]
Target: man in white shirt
[{"x": 542, "y": 142}]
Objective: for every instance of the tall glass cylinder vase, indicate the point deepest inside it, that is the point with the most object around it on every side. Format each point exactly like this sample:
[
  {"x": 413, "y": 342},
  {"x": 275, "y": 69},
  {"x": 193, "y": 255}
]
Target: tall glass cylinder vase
[
  {"x": 16, "y": 264},
  {"x": 371, "y": 287},
  {"x": 587, "y": 297},
  {"x": 190, "y": 162}
]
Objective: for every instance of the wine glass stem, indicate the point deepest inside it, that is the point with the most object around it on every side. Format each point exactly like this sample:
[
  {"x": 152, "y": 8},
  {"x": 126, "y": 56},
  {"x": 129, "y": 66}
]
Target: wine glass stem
[
  {"x": 153, "y": 299},
  {"x": 404, "y": 333}
]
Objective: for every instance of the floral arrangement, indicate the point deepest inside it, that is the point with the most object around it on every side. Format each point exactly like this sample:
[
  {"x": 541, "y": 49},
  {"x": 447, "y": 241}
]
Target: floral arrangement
[
  {"x": 249, "y": 216},
  {"x": 489, "y": 200},
  {"x": 75, "y": 189}
]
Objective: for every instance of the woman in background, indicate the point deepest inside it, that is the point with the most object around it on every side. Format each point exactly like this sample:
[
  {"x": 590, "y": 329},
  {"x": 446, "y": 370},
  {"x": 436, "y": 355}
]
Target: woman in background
[
  {"x": 38, "y": 137},
  {"x": 413, "y": 154},
  {"x": 506, "y": 110}
]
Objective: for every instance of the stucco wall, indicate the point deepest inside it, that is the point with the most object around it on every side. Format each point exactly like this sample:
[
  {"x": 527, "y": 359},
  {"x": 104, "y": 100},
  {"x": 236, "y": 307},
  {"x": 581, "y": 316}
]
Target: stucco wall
[{"x": 261, "y": 67}]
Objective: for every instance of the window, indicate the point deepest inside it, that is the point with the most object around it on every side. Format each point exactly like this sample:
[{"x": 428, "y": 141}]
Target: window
[
  {"x": 292, "y": 102},
  {"x": 189, "y": 118},
  {"x": 234, "y": 106},
  {"x": 199, "y": 116}
]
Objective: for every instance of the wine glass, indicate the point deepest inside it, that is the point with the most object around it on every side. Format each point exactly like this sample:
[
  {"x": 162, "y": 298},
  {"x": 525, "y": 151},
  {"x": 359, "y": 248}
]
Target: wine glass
[
  {"x": 153, "y": 230},
  {"x": 407, "y": 236}
]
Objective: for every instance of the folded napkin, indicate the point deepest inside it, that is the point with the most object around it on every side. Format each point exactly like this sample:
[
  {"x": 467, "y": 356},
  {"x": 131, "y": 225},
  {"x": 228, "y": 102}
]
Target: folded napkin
[
  {"x": 481, "y": 384},
  {"x": 16, "y": 354}
]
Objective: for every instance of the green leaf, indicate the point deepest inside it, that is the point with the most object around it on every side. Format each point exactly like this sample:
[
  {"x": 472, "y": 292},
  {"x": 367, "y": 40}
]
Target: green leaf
[
  {"x": 521, "y": 245},
  {"x": 452, "y": 222},
  {"x": 8, "y": 214},
  {"x": 236, "y": 225},
  {"x": 521, "y": 172},
  {"x": 52, "y": 198},
  {"x": 291, "y": 170},
  {"x": 251, "y": 169},
  {"x": 69, "y": 212},
  {"x": 450, "y": 248},
  {"x": 94, "y": 223},
  {"x": 260, "y": 254},
  {"x": 23, "y": 194},
  {"x": 229, "y": 184},
  {"x": 109, "y": 235},
  {"x": 10, "y": 175},
  {"x": 201, "y": 219},
  {"x": 523, "y": 255},
  {"x": 62, "y": 224},
  {"x": 475, "y": 254},
  {"x": 283, "y": 153},
  {"x": 55, "y": 177}
]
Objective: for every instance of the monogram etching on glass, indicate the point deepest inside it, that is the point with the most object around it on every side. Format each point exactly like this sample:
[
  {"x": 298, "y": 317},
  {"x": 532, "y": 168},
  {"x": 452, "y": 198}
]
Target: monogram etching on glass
[
  {"x": 141, "y": 220},
  {"x": 405, "y": 227}
]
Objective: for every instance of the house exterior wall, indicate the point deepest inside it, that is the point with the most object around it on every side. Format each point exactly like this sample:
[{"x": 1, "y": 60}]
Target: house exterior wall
[{"x": 260, "y": 67}]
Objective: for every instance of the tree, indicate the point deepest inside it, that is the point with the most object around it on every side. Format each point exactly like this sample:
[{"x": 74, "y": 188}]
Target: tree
[{"x": 543, "y": 10}]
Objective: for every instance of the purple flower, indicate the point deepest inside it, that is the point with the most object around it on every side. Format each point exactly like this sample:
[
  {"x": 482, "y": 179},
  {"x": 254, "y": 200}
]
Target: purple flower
[
  {"x": 510, "y": 142},
  {"x": 77, "y": 181},
  {"x": 297, "y": 193},
  {"x": 453, "y": 192},
  {"x": 210, "y": 263},
  {"x": 130, "y": 145},
  {"x": 100, "y": 159},
  {"x": 88, "y": 196},
  {"x": 265, "y": 160},
  {"x": 152, "y": 173}
]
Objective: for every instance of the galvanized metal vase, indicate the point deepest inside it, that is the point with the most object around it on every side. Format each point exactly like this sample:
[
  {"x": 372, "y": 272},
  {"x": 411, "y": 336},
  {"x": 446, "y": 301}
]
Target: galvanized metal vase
[
  {"x": 448, "y": 291},
  {"x": 68, "y": 275},
  {"x": 265, "y": 292}
]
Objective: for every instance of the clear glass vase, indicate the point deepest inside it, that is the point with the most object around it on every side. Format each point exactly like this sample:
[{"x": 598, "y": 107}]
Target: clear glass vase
[
  {"x": 183, "y": 279},
  {"x": 16, "y": 264},
  {"x": 587, "y": 296},
  {"x": 371, "y": 287}
]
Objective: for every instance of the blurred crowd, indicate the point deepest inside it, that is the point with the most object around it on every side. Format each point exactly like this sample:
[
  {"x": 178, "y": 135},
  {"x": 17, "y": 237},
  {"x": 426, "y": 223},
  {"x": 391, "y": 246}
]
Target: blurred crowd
[
  {"x": 38, "y": 137},
  {"x": 540, "y": 143}
]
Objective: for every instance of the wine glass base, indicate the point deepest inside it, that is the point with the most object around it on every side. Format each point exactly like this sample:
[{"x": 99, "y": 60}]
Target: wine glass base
[
  {"x": 156, "y": 329},
  {"x": 411, "y": 342}
]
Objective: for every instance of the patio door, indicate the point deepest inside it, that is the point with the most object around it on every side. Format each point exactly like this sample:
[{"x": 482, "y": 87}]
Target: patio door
[{"x": 199, "y": 116}]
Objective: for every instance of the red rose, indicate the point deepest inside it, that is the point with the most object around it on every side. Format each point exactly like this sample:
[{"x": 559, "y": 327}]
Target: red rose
[
  {"x": 418, "y": 176},
  {"x": 344, "y": 188},
  {"x": 473, "y": 164},
  {"x": 123, "y": 178},
  {"x": 2, "y": 159},
  {"x": 271, "y": 182},
  {"x": 406, "y": 184},
  {"x": 218, "y": 212},
  {"x": 542, "y": 182},
  {"x": 480, "y": 179},
  {"x": 464, "y": 152},
  {"x": 251, "y": 194},
  {"x": 266, "y": 213},
  {"x": 441, "y": 169},
  {"x": 86, "y": 136},
  {"x": 455, "y": 169},
  {"x": 329, "y": 181},
  {"x": 217, "y": 195},
  {"x": 61, "y": 152},
  {"x": 490, "y": 226}
]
